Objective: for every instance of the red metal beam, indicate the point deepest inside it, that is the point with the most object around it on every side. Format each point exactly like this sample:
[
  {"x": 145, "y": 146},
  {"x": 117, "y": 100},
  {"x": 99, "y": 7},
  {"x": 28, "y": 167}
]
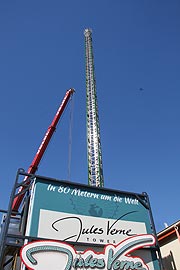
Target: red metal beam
[{"x": 34, "y": 165}]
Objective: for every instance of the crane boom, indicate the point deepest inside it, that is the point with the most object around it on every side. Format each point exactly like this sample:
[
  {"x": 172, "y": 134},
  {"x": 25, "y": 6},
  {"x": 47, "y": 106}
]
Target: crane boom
[
  {"x": 95, "y": 168},
  {"x": 34, "y": 165}
]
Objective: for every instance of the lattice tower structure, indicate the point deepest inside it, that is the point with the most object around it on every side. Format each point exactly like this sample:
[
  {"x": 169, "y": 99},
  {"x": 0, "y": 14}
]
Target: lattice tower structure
[{"x": 94, "y": 153}]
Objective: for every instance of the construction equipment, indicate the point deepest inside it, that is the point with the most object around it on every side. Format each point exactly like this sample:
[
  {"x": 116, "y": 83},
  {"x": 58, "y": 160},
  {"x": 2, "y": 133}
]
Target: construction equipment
[
  {"x": 35, "y": 163},
  {"x": 95, "y": 168}
]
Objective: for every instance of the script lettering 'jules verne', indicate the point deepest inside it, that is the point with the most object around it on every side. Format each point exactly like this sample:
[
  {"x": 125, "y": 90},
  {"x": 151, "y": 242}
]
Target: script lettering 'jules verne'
[{"x": 45, "y": 255}]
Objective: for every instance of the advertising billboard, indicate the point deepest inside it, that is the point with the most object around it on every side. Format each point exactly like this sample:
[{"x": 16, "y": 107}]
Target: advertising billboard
[
  {"x": 81, "y": 214},
  {"x": 45, "y": 255}
]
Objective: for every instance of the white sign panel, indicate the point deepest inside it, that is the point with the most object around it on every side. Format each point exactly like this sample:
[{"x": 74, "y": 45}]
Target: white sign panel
[{"x": 86, "y": 229}]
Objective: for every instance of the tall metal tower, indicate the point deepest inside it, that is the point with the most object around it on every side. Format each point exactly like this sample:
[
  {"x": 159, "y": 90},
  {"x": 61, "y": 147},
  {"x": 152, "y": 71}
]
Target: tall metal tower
[{"x": 95, "y": 168}]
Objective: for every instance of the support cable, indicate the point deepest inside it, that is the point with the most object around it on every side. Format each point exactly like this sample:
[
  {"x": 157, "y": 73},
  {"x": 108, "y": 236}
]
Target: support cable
[{"x": 70, "y": 136}]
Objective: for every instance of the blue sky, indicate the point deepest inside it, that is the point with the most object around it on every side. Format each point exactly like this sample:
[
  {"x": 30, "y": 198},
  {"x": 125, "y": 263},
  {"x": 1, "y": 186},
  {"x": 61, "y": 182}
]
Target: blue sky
[{"x": 136, "y": 45}]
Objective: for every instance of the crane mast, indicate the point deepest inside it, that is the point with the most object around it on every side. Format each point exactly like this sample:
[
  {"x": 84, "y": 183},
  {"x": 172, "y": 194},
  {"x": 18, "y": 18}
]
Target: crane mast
[
  {"x": 34, "y": 165},
  {"x": 94, "y": 153}
]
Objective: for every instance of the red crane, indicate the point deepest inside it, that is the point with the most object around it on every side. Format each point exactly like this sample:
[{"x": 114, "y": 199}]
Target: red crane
[{"x": 34, "y": 165}]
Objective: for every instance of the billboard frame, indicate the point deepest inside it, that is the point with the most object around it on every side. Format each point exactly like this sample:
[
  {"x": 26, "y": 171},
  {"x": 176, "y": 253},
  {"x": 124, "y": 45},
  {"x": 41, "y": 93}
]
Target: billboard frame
[{"x": 23, "y": 213}]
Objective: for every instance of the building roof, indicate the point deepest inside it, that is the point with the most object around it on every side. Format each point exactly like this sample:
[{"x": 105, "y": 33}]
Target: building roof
[{"x": 172, "y": 230}]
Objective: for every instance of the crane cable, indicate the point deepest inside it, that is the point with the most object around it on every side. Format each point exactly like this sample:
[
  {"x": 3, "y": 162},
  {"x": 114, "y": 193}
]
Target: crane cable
[{"x": 70, "y": 136}]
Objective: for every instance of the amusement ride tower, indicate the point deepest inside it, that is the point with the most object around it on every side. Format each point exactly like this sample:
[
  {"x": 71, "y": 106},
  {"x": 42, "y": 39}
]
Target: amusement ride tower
[{"x": 95, "y": 168}]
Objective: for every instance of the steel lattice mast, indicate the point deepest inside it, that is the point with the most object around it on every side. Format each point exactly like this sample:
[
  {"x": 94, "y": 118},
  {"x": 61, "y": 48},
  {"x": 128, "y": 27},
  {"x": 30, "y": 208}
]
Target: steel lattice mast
[{"x": 95, "y": 168}]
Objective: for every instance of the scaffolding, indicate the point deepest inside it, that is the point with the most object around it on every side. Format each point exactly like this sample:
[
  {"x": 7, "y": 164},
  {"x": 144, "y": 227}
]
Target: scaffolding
[{"x": 13, "y": 224}]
